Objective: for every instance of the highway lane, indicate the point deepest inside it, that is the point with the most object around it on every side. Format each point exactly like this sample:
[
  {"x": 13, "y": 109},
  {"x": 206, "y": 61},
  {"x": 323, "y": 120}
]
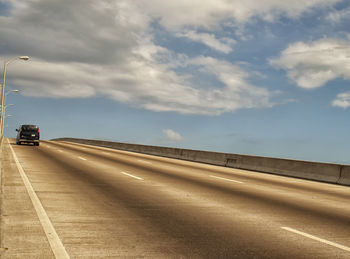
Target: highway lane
[{"x": 105, "y": 202}]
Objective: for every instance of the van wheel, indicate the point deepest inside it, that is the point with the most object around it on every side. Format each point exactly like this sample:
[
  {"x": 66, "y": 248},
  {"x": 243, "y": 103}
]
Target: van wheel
[
  {"x": 36, "y": 144},
  {"x": 18, "y": 143}
]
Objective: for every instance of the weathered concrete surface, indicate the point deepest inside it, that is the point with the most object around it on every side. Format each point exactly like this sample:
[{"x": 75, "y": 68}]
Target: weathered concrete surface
[
  {"x": 302, "y": 169},
  {"x": 345, "y": 175},
  {"x": 22, "y": 235},
  {"x": 179, "y": 209},
  {"x": 324, "y": 172}
]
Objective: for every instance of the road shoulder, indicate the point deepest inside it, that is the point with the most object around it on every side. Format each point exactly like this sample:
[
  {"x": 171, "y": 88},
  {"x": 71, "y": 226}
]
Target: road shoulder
[{"x": 22, "y": 235}]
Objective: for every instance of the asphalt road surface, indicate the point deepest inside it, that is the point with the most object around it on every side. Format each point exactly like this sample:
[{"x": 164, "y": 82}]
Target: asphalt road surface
[{"x": 99, "y": 202}]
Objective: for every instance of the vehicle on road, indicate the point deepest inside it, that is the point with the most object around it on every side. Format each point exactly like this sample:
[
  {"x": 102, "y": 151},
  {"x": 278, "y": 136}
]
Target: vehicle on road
[{"x": 28, "y": 134}]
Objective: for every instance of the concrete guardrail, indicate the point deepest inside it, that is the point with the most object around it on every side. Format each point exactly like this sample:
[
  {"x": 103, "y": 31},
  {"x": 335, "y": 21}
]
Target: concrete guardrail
[{"x": 324, "y": 172}]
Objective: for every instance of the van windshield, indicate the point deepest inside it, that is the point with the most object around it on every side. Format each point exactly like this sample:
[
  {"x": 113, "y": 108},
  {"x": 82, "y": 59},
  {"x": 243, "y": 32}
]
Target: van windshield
[{"x": 29, "y": 128}]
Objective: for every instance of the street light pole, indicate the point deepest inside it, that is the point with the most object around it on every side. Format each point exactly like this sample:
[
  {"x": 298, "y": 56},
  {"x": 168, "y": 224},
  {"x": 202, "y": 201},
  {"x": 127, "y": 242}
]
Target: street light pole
[
  {"x": 3, "y": 92},
  {"x": 3, "y": 110}
]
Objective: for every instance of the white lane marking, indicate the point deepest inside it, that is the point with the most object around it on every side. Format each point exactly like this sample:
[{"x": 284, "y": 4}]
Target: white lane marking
[
  {"x": 317, "y": 239},
  {"x": 54, "y": 240},
  {"x": 82, "y": 158},
  {"x": 225, "y": 179},
  {"x": 133, "y": 176},
  {"x": 144, "y": 161}
]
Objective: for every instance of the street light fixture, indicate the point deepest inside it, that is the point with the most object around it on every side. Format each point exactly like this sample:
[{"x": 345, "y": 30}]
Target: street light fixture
[
  {"x": 24, "y": 58},
  {"x": 3, "y": 121},
  {"x": 11, "y": 104},
  {"x": 3, "y": 95},
  {"x": 7, "y": 116},
  {"x": 11, "y": 91}
]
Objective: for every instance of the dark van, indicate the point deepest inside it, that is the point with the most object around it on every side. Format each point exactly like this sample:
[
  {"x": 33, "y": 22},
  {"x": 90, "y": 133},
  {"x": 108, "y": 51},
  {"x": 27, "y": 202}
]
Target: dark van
[{"x": 28, "y": 134}]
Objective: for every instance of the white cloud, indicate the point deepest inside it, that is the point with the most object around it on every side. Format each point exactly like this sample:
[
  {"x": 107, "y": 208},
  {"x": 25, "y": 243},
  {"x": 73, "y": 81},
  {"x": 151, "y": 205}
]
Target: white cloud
[
  {"x": 54, "y": 30},
  {"x": 237, "y": 93},
  {"x": 143, "y": 83},
  {"x": 313, "y": 64},
  {"x": 106, "y": 49},
  {"x": 342, "y": 100},
  {"x": 339, "y": 15},
  {"x": 210, "y": 13},
  {"x": 223, "y": 45},
  {"x": 172, "y": 135}
]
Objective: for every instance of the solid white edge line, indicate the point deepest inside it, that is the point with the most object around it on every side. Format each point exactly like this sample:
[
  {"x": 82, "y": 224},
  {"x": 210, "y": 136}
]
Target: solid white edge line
[
  {"x": 82, "y": 158},
  {"x": 133, "y": 176},
  {"x": 221, "y": 178},
  {"x": 55, "y": 242},
  {"x": 345, "y": 248}
]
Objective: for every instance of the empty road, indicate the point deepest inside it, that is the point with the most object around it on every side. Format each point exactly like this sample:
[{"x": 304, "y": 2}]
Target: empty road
[{"x": 99, "y": 202}]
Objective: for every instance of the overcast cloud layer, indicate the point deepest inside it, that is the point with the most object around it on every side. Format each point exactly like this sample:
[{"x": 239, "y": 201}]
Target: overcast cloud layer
[{"x": 86, "y": 48}]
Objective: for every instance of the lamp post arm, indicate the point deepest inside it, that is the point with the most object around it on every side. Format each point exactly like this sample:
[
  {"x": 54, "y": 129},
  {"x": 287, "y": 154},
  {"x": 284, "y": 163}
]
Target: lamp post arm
[{"x": 3, "y": 95}]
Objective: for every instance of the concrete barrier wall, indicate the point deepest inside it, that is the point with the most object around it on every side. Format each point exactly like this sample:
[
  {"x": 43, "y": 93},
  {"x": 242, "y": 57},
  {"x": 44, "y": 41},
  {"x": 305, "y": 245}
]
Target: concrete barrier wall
[
  {"x": 324, "y": 172},
  {"x": 302, "y": 169},
  {"x": 345, "y": 175}
]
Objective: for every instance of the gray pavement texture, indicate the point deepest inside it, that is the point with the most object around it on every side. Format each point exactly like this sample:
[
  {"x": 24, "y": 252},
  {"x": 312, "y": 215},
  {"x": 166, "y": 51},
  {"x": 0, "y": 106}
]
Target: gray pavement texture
[
  {"x": 117, "y": 204},
  {"x": 322, "y": 172}
]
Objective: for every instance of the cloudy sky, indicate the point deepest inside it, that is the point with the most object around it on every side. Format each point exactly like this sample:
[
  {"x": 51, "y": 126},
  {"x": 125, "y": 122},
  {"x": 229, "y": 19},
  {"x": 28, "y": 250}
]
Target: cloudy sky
[{"x": 259, "y": 77}]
